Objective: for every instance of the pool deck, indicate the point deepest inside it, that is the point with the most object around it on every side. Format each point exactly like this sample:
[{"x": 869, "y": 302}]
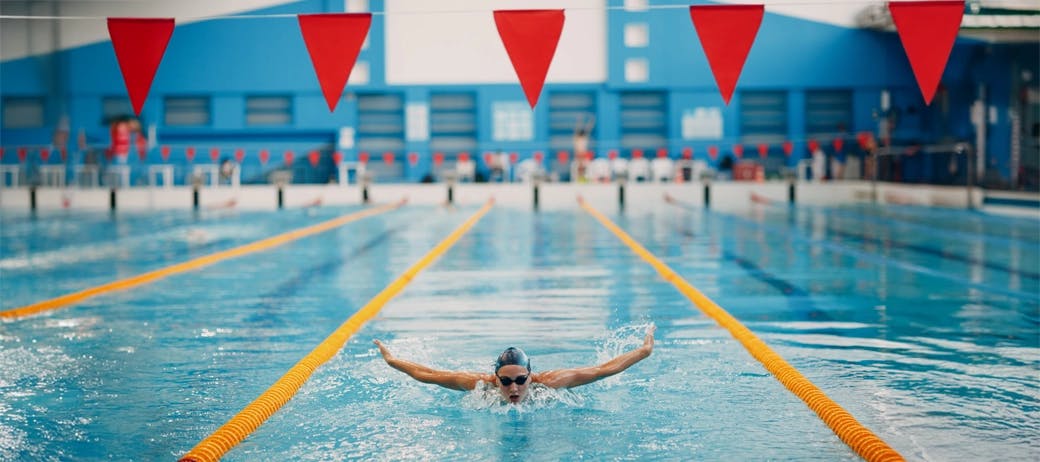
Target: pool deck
[{"x": 728, "y": 195}]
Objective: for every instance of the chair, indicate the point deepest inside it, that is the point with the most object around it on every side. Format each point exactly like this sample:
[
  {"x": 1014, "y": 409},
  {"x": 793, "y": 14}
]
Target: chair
[
  {"x": 638, "y": 170},
  {"x": 599, "y": 170},
  {"x": 663, "y": 169}
]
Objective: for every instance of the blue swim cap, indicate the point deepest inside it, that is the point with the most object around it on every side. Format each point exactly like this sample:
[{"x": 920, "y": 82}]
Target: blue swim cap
[{"x": 512, "y": 355}]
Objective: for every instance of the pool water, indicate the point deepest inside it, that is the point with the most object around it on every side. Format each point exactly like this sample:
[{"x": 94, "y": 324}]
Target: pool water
[{"x": 923, "y": 323}]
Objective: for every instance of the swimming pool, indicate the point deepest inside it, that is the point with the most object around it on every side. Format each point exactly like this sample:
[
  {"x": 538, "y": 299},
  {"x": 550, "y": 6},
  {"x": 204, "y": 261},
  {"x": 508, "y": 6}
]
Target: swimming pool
[{"x": 922, "y": 323}]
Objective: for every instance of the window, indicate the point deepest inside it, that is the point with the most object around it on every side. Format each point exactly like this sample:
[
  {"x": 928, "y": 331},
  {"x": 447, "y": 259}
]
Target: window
[
  {"x": 644, "y": 120},
  {"x": 453, "y": 122},
  {"x": 828, "y": 112},
  {"x": 268, "y": 110},
  {"x": 513, "y": 121},
  {"x": 355, "y": 6},
  {"x": 637, "y": 35},
  {"x": 637, "y": 5},
  {"x": 359, "y": 75},
  {"x": 637, "y": 70},
  {"x": 763, "y": 116},
  {"x": 567, "y": 113},
  {"x": 380, "y": 123},
  {"x": 23, "y": 112},
  {"x": 115, "y": 107},
  {"x": 185, "y": 111}
]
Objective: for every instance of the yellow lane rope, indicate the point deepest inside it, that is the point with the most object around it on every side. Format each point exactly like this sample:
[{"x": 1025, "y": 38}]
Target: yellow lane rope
[
  {"x": 134, "y": 281},
  {"x": 256, "y": 413},
  {"x": 854, "y": 434}
]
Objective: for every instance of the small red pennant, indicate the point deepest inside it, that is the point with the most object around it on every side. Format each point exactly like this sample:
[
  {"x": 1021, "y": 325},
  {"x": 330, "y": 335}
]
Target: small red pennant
[
  {"x": 530, "y": 38},
  {"x": 337, "y": 157},
  {"x": 388, "y": 158},
  {"x": 927, "y": 30},
  {"x": 413, "y": 159},
  {"x": 142, "y": 154},
  {"x": 611, "y": 154},
  {"x": 838, "y": 144},
  {"x": 726, "y": 33},
  {"x": 538, "y": 156},
  {"x": 334, "y": 42},
  {"x": 2, "y": 150},
  {"x": 637, "y": 153},
  {"x": 788, "y": 148},
  {"x": 487, "y": 157},
  {"x": 164, "y": 152},
  {"x": 763, "y": 150},
  {"x": 438, "y": 159},
  {"x": 288, "y": 157},
  {"x": 687, "y": 153},
  {"x": 662, "y": 152},
  {"x": 563, "y": 156},
  {"x": 738, "y": 150},
  {"x": 363, "y": 157},
  {"x": 713, "y": 152},
  {"x": 313, "y": 157},
  {"x": 813, "y": 146},
  {"x": 464, "y": 157},
  {"x": 64, "y": 154},
  {"x": 240, "y": 155},
  {"x": 214, "y": 154},
  {"x": 45, "y": 154},
  {"x": 513, "y": 158},
  {"x": 22, "y": 153},
  {"x": 863, "y": 138},
  {"x": 265, "y": 155},
  {"x": 189, "y": 153},
  {"x": 139, "y": 44}
]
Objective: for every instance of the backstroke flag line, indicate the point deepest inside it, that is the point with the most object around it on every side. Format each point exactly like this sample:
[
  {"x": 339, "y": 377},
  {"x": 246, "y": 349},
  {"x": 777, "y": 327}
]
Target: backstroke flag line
[
  {"x": 334, "y": 42},
  {"x": 139, "y": 44},
  {"x": 726, "y": 33},
  {"x": 927, "y": 31},
  {"x": 530, "y": 38}
]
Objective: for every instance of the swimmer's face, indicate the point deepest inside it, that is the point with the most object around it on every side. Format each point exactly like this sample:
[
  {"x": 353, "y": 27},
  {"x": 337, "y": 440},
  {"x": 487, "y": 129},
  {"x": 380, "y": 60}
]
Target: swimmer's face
[{"x": 514, "y": 392}]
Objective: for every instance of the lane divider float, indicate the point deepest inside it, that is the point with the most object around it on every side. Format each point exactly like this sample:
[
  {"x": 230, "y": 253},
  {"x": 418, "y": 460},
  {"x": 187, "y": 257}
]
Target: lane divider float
[
  {"x": 256, "y": 413},
  {"x": 206, "y": 260},
  {"x": 859, "y": 438}
]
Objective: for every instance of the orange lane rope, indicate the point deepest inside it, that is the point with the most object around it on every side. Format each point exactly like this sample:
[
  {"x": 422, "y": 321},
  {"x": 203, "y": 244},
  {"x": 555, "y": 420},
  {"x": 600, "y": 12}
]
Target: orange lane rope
[
  {"x": 256, "y": 413},
  {"x": 854, "y": 434},
  {"x": 134, "y": 281}
]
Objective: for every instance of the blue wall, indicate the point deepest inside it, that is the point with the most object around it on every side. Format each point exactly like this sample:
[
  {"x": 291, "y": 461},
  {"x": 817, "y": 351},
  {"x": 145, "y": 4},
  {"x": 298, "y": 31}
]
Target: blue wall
[{"x": 230, "y": 59}]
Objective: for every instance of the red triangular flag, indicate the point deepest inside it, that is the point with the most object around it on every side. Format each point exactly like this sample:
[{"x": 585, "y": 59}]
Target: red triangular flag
[
  {"x": 927, "y": 30},
  {"x": 334, "y": 42},
  {"x": 140, "y": 44},
  {"x": 726, "y": 33},
  {"x": 530, "y": 38}
]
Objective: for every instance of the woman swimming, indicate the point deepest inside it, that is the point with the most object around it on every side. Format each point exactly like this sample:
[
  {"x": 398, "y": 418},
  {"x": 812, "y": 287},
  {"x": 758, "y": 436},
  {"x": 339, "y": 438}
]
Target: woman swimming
[{"x": 513, "y": 373}]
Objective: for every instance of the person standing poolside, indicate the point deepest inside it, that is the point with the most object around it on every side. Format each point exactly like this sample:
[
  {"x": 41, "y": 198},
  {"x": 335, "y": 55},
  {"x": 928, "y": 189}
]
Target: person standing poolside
[{"x": 513, "y": 375}]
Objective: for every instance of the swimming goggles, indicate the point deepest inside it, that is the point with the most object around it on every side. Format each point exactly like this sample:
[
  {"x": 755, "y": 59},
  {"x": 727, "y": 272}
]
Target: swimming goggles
[{"x": 506, "y": 381}]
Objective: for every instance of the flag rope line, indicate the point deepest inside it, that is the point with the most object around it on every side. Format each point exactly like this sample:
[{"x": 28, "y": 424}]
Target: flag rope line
[
  {"x": 256, "y": 413},
  {"x": 200, "y": 262},
  {"x": 855, "y": 435}
]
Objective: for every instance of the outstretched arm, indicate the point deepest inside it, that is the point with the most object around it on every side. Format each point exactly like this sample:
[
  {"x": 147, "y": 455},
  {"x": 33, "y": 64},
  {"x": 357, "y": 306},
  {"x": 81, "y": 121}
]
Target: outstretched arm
[
  {"x": 567, "y": 378},
  {"x": 464, "y": 381}
]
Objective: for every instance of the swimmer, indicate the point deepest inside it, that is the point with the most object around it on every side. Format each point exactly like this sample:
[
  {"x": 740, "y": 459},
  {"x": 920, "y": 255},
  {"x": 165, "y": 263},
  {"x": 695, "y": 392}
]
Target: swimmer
[{"x": 513, "y": 375}]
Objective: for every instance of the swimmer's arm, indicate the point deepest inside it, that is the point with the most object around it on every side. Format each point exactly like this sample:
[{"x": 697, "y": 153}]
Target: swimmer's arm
[
  {"x": 463, "y": 381},
  {"x": 567, "y": 378}
]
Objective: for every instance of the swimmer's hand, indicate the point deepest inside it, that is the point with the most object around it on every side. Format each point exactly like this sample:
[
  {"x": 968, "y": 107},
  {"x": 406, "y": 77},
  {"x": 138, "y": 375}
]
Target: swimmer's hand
[
  {"x": 383, "y": 351},
  {"x": 648, "y": 341}
]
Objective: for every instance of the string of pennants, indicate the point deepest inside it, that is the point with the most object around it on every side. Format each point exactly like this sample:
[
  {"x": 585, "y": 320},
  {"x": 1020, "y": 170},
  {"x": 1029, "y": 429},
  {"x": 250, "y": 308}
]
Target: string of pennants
[
  {"x": 864, "y": 140},
  {"x": 927, "y": 31}
]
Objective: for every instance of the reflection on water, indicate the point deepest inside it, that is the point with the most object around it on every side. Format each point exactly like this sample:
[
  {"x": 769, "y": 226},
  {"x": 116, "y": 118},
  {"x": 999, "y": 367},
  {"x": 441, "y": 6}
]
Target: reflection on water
[{"x": 923, "y": 329}]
